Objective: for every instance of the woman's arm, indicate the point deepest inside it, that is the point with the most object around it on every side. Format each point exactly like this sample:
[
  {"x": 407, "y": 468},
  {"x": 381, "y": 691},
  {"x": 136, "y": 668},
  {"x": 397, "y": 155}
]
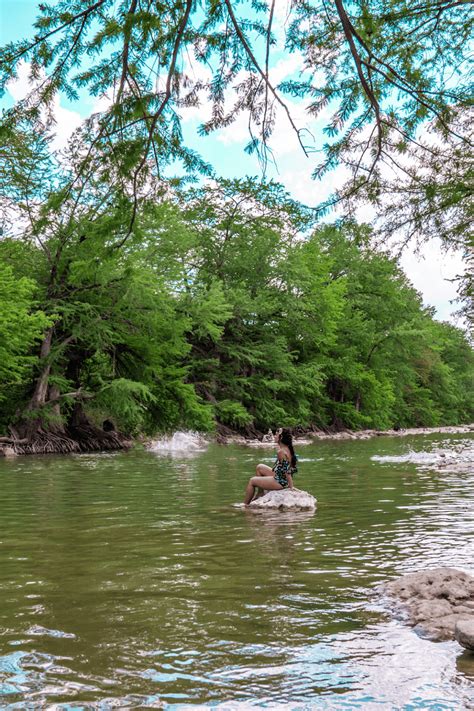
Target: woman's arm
[{"x": 290, "y": 480}]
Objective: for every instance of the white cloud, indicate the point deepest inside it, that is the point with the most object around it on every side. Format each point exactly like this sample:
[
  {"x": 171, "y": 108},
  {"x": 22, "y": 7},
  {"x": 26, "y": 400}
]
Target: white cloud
[
  {"x": 430, "y": 272},
  {"x": 284, "y": 140},
  {"x": 19, "y": 87},
  {"x": 286, "y": 67},
  {"x": 281, "y": 15},
  {"x": 65, "y": 120},
  {"x": 302, "y": 187}
]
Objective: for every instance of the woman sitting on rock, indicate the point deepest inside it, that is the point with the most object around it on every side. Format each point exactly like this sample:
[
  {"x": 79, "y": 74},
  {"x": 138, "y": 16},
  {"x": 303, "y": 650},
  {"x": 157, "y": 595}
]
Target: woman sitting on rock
[{"x": 280, "y": 476}]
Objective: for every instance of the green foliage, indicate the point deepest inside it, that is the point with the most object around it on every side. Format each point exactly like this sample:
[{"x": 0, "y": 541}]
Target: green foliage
[
  {"x": 21, "y": 327},
  {"x": 386, "y": 77},
  {"x": 387, "y": 366},
  {"x": 224, "y": 304},
  {"x": 232, "y": 413},
  {"x": 170, "y": 308},
  {"x": 377, "y": 69},
  {"x": 127, "y": 400}
]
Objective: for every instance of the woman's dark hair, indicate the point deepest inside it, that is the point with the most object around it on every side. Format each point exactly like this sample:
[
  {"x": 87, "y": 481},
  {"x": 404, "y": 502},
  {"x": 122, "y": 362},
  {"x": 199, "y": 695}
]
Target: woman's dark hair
[{"x": 287, "y": 439}]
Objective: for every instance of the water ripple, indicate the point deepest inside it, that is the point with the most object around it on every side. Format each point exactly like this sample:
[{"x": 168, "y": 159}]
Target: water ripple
[{"x": 129, "y": 580}]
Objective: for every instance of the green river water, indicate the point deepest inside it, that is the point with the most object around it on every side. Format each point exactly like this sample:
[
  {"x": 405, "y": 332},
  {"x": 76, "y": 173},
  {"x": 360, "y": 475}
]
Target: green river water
[{"x": 130, "y": 580}]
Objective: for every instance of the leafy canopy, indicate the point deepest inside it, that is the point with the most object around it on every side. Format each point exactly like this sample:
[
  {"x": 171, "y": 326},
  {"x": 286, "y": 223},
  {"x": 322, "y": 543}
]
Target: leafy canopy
[{"x": 381, "y": 67}]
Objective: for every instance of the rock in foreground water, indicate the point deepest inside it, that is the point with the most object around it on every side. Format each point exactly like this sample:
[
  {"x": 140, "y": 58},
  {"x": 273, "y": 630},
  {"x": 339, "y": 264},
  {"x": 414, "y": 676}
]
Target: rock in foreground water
[
  {"x": 285, "y": 499},
  {"x": 435, "y": 601},
  {"x": 464, "y": 633}
]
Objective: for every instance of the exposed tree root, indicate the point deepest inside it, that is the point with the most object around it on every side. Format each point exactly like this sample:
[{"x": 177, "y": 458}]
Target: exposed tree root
[{"x": 52, "y": 443}]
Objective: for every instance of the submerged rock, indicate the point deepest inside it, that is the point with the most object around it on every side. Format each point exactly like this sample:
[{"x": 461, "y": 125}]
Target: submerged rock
[
  {"x": 435, "y": 601},
  {"x": 285, "y": 499}
]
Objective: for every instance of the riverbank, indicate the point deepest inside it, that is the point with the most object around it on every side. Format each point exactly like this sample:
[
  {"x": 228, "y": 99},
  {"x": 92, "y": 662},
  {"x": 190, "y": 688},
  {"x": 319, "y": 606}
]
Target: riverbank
[
  {"x": 90, "y": 439},
  {"x": 311, "y": 436},
  {"x": 116, "y": 441}
]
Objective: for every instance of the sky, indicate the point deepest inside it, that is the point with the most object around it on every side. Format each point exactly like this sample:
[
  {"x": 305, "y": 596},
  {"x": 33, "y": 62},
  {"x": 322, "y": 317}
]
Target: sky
[{"x": 430, "y": 271}]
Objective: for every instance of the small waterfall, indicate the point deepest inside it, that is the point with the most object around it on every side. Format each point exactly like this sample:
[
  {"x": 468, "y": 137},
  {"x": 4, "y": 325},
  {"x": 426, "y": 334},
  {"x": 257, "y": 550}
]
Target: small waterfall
[{"x": 180, "y": 444}]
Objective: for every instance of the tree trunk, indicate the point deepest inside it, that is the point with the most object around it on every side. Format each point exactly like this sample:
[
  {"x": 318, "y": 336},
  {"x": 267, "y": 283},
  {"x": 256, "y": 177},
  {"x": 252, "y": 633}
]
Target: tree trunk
[
  {"x": 56, "y": 424},
  {"x": 37, "y": 434},
  {"x": 38, "y": 398},
  {"x": 28, "y": 426}
]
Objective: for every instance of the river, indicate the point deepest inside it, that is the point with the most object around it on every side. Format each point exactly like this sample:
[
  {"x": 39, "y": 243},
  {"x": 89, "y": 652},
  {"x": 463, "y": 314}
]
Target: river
[{"x": 130, "y": 579}]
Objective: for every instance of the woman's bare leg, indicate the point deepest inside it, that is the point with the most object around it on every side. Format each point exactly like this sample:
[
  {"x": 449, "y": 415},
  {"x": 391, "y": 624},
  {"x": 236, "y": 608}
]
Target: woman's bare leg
[
  {"x": 262, "y": 470},
  {"x": 260, "y": 482}
]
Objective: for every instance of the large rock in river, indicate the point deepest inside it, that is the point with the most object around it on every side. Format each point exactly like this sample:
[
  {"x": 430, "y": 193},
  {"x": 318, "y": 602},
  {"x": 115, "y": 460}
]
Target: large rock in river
[
  {"x": 285, "y": 499},
  {"x": 464, "y": 633},
  {"x": 433, "y": 601}
]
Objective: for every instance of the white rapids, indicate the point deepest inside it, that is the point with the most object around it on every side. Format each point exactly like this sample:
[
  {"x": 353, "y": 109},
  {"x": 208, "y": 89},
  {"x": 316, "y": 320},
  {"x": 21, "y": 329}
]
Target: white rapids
[
  {"x": 180, "y": 444},
  {"x": 459, "y": 457}
]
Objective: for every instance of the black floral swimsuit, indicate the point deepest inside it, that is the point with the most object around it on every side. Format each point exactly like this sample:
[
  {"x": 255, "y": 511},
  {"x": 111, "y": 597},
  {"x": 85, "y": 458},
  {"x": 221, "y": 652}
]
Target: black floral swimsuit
[{"x": 281, "y": 469}]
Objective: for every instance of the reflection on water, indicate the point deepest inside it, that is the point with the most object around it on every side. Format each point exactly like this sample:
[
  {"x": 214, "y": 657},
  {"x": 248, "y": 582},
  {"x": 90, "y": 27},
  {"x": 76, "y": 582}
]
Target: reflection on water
[
  {"x": 130, "y": 579},
  {"x": 465, "y": 664}
]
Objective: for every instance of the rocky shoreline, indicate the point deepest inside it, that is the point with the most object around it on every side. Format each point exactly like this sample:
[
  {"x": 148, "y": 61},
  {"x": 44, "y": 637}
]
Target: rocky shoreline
[
  {"x": 311, "y": 436},
  {"x": 112, "y": 440}
]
